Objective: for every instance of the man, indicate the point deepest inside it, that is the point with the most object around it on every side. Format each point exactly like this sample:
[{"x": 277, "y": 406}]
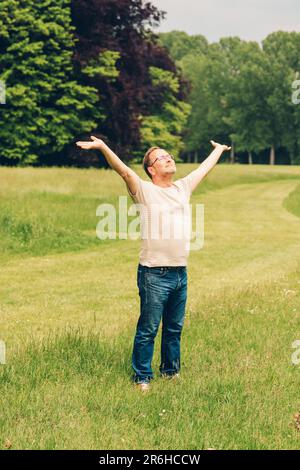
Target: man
[{"x": 162, "y": 269}]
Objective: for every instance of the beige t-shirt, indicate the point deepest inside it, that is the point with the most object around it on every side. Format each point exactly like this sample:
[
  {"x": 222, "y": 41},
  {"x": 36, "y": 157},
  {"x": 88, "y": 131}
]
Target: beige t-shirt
[{"x": 165, "y": 222}]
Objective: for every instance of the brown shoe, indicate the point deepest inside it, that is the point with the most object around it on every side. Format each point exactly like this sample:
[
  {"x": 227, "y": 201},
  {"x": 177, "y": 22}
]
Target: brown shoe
[{"x": 144, "y": 387}]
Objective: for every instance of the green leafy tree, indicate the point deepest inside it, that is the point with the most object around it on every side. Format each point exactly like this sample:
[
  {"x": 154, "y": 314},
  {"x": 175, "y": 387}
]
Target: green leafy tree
[
  {"x": 210, "y": 78},
  {"x": 283, "y": 65},
  {"x": 45, "y": 106},
  {"x": 164, "y": 126},
  {"x": 180, "y": 44},
  {"x": 247, "y": 101}
]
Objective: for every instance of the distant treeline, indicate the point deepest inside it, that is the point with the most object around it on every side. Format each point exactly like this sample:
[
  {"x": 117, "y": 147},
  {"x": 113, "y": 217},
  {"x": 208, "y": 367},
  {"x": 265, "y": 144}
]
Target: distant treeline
[
  {"x": 72, "y": 68},
  {"x": 242, "y": 94}
]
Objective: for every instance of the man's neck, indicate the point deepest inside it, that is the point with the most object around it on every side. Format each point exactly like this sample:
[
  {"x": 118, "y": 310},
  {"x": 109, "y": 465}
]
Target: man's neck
[{"x": 163, "y": 182}]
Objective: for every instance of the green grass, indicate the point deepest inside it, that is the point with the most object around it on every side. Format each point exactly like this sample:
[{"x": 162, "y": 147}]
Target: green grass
[
  {"x": 69, "y": 307},
  {"x": 46, "y": 211}
]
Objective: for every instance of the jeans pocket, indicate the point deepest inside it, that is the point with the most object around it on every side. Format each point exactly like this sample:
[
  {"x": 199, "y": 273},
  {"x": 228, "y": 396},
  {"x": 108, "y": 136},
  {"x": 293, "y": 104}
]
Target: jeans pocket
[{"x": 156, "y": 273}]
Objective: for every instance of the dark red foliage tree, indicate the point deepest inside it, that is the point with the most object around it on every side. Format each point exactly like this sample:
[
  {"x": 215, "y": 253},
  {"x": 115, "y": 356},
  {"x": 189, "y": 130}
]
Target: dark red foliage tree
[{"x": 123, "y": 26}]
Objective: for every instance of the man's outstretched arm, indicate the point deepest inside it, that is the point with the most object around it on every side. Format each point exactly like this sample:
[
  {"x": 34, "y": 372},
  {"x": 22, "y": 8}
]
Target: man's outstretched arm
[
  {"x": 197, "y": 175},
  {"x": 128, "y": 175}
]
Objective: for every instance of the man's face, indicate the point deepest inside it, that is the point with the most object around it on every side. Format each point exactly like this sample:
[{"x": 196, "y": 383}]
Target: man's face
[{"x": 162, "y": 163}]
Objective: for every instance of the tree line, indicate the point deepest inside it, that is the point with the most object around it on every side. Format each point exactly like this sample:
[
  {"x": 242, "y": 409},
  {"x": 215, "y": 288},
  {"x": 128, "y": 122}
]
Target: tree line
[
  {"x": 242, "y": 93},
  {"x": 73, "y": 68}
]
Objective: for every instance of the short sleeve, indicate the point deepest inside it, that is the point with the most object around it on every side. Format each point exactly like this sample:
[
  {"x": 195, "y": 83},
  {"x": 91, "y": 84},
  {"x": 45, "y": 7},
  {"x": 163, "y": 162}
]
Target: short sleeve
[{"x": 137, "y": 197}]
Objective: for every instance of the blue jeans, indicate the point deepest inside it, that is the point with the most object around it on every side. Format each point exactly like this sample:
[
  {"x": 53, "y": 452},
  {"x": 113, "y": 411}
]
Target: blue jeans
[{"x": 163, "y": 294}]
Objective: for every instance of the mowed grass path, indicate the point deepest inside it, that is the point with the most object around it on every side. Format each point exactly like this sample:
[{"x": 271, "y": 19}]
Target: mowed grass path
[{"x": 69, "y": 307}]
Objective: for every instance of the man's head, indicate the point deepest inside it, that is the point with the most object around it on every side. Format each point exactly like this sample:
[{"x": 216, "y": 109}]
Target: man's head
[{"x": 158, "y": 162}]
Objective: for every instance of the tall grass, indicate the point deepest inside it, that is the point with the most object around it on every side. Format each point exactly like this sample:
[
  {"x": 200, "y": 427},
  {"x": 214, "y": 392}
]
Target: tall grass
[{"x": 238, "y": 387}]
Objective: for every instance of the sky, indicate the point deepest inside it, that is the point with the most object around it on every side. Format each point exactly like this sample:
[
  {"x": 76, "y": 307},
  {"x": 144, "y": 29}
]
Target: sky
[{"x": 248, "y": 19}]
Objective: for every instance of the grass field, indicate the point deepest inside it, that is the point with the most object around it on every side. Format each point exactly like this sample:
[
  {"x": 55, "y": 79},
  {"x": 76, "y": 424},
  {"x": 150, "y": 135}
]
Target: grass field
[{"x": 69, "y": 306}]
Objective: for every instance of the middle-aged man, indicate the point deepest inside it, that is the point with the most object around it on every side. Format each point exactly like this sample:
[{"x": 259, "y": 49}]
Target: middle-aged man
[{"x": 162, "y": 269}]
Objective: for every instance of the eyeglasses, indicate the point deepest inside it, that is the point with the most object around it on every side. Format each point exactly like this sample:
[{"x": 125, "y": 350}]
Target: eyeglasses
[{"x": 162, "y": 157}]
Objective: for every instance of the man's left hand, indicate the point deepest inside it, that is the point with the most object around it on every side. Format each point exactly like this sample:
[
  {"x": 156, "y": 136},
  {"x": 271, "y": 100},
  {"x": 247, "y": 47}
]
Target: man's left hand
[{"x": 215, "y": 144}]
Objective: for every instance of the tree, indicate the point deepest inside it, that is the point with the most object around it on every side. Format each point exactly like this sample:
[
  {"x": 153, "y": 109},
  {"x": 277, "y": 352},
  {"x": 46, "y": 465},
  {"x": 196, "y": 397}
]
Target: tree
[
  {"x": 45, "y": 106},
  {"x": 282, "y": 63},
  {"x": 165, "y": 126},
  {"x": 210, "y": 77},
  {"x": 247, "y": 100},
  {"x": 123, "y": 26},
  {"x": 179, "y": 44}
]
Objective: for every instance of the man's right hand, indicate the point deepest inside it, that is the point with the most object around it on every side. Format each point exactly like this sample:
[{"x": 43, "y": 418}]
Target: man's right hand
[{"x": 95, "y": 144}]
